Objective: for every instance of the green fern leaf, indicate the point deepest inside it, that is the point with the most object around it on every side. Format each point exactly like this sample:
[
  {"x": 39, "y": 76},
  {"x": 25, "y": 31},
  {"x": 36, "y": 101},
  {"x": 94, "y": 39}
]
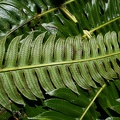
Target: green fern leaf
[
  {"x": 95, "y": 16},
  {"x": 69, "y": 104},
  {"x": 57, "y": 64},
  {"x": 83, "y": 106}
]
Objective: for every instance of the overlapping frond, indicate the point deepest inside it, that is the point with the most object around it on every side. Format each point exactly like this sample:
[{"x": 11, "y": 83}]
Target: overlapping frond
[
  {"x": 23, "y": 16},
  {"x": 15, "y": 13},
  {"x": 44, "y": 15},
  {"x": 31, "y": 64},
  {"x": 66, "y": 105},
  {"x": 93, "y": 15}
]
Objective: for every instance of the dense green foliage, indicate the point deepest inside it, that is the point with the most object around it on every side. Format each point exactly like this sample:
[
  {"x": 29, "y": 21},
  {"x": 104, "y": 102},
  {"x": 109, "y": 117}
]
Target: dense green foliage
[{"x": 60, "y": 60}]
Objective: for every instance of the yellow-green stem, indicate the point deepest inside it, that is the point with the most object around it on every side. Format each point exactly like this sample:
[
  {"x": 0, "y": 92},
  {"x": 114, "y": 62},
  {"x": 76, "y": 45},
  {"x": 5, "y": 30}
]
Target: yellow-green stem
[{"x": 100, "y": 90}]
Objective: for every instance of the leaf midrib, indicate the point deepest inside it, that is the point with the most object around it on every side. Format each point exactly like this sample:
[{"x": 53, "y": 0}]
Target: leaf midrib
[{"x": 56, "y": 63}]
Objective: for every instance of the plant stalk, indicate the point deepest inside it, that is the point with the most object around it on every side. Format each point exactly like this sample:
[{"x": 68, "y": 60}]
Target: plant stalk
[{"x": 100, "y": 90}]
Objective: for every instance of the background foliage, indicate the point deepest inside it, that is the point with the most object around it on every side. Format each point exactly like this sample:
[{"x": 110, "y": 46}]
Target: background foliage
[{"x": 99, "y": 100}]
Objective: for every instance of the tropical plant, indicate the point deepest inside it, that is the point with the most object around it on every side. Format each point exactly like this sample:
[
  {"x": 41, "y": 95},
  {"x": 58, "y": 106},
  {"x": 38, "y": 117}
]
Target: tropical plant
[{"x": 60, "y": 60}]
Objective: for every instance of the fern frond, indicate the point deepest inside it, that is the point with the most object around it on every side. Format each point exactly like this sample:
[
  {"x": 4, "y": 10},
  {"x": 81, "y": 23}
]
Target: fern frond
[
  {"x": 67, "y": 105},
  {"x": 26, "y": 14},
  {"x": 83, "y": 106},
  {"x": 56, "y": 64},
  {"x": 94, "y": 16}
]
